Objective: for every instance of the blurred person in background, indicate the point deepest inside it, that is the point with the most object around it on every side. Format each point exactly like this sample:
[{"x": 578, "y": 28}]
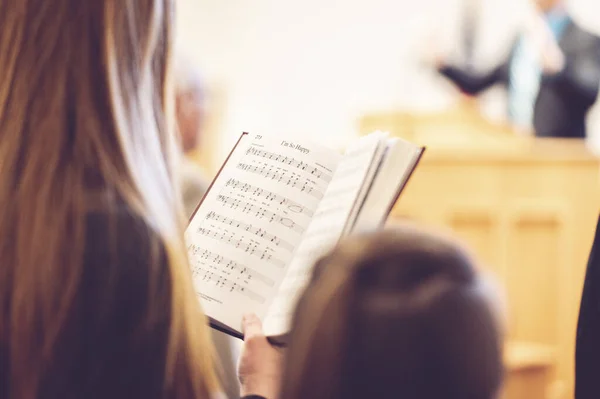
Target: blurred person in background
[
  {"x": 397, "y": 314},
  {"x": 190, "y": 108},
  {"x": 96, "y": 298},
  {"x": 587, "y": 352},
  {"x": 190, "y": 111},
  {"x": 552, "y": 73}
]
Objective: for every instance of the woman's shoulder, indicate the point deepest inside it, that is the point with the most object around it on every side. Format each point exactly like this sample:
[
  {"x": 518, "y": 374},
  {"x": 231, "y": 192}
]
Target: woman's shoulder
[
  {"x": 117, "y": 216},
  {"x": 125, "y": 260},
  {"x": 118, "y": 232},
  {"x": 125, "y": 304}
]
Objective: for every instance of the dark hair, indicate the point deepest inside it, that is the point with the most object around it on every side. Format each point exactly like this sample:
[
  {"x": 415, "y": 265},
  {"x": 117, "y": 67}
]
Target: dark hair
[{"x": 400, "y": 314}]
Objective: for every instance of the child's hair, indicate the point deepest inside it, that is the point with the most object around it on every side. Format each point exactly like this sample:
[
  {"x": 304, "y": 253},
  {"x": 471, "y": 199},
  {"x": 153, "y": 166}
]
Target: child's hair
[{"x": 397, "y": 314}]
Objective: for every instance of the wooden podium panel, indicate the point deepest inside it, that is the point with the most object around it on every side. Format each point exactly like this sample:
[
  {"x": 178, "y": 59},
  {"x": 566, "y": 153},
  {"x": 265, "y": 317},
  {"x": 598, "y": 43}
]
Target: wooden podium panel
[
  {"x": 528, "y": 209},
  {"x": 529, "y": 368}
]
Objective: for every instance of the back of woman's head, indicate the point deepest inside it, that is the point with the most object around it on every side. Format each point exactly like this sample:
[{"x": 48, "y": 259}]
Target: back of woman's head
[
  {"x": 85, "y": 116},
  {"x": 398, "y": 314}
]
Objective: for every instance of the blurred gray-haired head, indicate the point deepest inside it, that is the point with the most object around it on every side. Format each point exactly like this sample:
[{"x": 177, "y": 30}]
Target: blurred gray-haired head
[{"x": 190, "y": 101}]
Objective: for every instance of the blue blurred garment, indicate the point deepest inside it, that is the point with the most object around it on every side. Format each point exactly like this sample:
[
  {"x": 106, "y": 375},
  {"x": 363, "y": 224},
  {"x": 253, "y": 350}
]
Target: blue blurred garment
[
  {"x": 525, "y": 72},
  {"x": 561, "y": 101}
]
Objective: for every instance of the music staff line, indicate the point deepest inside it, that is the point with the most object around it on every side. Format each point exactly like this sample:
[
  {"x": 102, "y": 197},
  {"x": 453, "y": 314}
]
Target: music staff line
[
  {"x": 268, "y": 196},
  {"x": 208, "y": 276},
  {"x": 228, "y": 264},
  {"x": 247, "y": 244},
  {"x": 279, "y": 176},
  {"x": 259, "y": 212},
  {"x": 257, "y": 231},
  {"x": 291, "y": 162}
]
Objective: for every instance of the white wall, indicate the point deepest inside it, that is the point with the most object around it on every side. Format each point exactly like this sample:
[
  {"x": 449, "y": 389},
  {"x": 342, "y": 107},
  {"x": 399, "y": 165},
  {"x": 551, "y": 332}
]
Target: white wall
[{"x": 312, "y": 67}]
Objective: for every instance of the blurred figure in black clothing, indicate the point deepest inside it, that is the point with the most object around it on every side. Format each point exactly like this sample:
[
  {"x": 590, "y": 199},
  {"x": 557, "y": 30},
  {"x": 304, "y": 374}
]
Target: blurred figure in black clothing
[
  {"x": 552, "y": 74},
  {"x": 587, "y": 353}
]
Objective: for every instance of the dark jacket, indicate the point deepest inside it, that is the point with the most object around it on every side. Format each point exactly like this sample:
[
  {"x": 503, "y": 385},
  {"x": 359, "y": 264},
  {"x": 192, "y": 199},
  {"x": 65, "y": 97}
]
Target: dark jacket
[
  {"x": 106, "y": 321},
  {"x": 587, "y": 352},
  {"x": 564, "y": 98},
  {"x": 118, "y": 254}
]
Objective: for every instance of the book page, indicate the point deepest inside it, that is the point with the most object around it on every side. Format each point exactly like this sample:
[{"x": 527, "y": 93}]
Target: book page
[
  {"x": 242, "y": 237},
  {"x": 392, "y": 175},
  {"x": 325, "y": 229},
  {"x": 370, "y": 176}
]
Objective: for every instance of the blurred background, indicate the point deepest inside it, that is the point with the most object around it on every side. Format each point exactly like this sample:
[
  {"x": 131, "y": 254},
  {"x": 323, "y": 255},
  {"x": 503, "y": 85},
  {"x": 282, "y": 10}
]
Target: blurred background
[{"x": 502, "y": 92}]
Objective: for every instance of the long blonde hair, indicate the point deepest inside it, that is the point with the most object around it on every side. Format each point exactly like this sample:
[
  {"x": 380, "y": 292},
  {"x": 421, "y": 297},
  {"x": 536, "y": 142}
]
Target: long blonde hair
[{"x": 86, "y": 103}]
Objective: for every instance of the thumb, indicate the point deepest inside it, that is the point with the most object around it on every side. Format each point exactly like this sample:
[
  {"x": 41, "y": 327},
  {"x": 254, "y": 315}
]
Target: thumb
[{"x": 252, "y": 326}]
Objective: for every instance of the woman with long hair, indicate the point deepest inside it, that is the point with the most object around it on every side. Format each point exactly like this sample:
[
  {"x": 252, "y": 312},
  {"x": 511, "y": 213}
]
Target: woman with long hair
[
  {"x": 398, "y": 314},
  {"x": 96, "y": 299}
]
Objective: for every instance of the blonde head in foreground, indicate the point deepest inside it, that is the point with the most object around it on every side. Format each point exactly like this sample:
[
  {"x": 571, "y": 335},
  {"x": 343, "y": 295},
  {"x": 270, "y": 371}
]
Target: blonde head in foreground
[{"x": 398, "y": 314}]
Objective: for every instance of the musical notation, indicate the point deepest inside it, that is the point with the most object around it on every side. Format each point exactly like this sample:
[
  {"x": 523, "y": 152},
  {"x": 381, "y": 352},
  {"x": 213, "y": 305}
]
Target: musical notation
[
  {"x": 207, "y": 276},
  {"x": 259, "y": 212},
  {"x": 228, "y": 264},
  {"x": 294, "y": 182},
  {"x": 268, "y": 196},
  {"x": 250, "y": 246},
  {"x": 291, "y": 162},
  {"x": 259, "y": 232}
]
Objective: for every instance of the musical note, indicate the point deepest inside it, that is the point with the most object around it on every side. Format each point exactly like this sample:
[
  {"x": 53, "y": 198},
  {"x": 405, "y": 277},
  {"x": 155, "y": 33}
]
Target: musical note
[
  {"x": 268, "y": 196},
  {"x": 259, "y": 212},
  {"x": 259, "y": 232},
  {"x": 279, "y": 176},
  {"x": 207, "y": 276},
  {"x": 228, "y": 264},
  {"x": 247, "y": 244},
  {"x": 291, "y": 162}
]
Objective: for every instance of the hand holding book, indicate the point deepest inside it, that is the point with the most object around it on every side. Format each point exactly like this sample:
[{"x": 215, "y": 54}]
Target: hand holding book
[{"x": 274, "y": 207}]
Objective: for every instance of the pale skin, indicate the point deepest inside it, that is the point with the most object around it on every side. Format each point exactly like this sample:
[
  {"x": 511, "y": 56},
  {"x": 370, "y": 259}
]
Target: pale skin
[
  {"x": 551, "y": 56},
  {"x": 190, "y": 115},
  {"x": 260, "y": 366},
  {"x": 546, "y": 5}
]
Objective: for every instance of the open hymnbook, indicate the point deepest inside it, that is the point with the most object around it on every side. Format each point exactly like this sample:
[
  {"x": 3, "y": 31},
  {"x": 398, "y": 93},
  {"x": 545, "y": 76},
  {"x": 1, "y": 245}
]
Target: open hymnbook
[{"x": 274, "y": 208}]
